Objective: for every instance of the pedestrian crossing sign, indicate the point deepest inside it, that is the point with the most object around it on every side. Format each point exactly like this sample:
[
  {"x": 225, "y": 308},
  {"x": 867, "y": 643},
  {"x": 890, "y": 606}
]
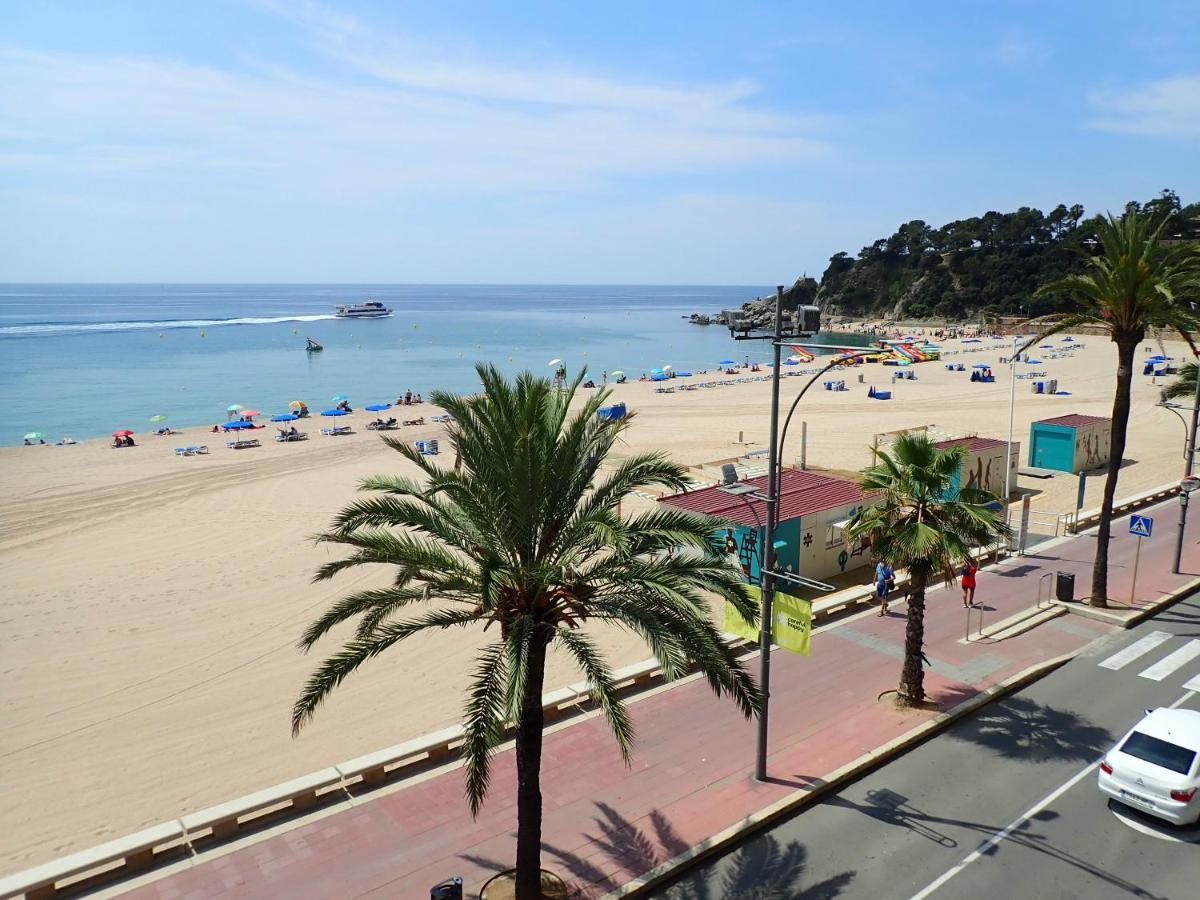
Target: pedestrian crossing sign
[{"x": 1141, "y": 525}]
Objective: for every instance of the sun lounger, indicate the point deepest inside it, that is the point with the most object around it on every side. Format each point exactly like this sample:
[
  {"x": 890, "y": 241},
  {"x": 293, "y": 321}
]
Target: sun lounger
[
  {"x": 288, "y": 438},
  {"x": 420, "y": 421},
  {"x": 427, "y": 448},
  {"x": 441, "y": 419},
  {"x": 337, "y": 430},
  {"x": 192, "y": 450},
  {"x": 243, "y": 444}
]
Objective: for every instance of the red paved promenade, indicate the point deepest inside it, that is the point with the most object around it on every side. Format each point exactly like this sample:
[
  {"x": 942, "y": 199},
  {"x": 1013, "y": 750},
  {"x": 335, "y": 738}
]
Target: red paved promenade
[{"x": 605, "y": 823}]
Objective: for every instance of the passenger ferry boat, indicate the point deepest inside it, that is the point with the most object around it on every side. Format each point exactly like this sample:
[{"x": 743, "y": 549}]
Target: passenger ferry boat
[{"x": 372, "y": 309}]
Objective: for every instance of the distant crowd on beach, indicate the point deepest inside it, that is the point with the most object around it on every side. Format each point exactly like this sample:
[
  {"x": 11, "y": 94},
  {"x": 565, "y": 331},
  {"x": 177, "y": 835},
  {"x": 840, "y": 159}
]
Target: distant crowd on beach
[{"x": 893, "y": 330}]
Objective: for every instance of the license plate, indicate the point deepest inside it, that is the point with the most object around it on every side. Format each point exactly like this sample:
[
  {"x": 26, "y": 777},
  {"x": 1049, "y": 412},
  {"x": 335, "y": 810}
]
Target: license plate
[{"x": 1135, "y": 798}]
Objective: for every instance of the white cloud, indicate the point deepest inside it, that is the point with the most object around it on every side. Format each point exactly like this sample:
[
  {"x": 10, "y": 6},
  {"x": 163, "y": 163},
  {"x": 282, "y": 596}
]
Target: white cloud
[
  {"x": 396, "y": 117},
  {"x": 1018, "y": 49},
  {"x": 1168, "y": 107}
]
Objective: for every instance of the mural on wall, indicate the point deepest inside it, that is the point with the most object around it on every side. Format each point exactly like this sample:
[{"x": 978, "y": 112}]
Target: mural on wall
[
  {"x": 1093, "y": 450},
  {"x": 748, "y": 551},
  {"x": 981, "y": 477}
]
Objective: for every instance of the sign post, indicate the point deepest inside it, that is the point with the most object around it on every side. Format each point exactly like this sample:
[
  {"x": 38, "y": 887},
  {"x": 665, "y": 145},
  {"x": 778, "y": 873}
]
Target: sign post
[{"x": 1140, "y": 527}]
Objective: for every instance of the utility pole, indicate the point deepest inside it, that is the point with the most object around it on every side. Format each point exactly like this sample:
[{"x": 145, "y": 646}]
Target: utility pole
[{"x": 767, "y": 576}]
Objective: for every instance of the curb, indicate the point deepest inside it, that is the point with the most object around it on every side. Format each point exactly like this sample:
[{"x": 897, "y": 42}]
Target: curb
[
  {"x": 870, "y": 760},
  {"x": 1108, "y": 617}
]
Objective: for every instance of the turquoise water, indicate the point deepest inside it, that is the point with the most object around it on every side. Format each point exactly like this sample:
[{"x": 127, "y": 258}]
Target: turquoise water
[{"x": 84, "y": 360}]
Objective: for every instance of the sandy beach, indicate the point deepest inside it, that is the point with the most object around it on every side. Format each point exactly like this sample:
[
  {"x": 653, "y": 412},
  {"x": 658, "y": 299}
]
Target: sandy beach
[{"x": 152, "y": 602}]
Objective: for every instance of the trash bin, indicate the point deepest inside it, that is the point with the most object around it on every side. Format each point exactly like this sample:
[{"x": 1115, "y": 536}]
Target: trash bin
[{"x": 1064, "y": 587}]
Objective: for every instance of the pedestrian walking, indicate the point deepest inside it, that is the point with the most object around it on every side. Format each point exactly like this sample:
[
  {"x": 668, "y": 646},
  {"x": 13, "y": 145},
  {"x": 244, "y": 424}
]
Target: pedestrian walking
[
  {"x": 966, "y": 578},
  {"x": 885, "y": 580}
]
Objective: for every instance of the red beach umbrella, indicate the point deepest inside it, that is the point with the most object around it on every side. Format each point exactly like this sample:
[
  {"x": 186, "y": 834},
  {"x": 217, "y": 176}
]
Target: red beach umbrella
[
  {"x": 124, "y": 432},
  {"x": 250, "y": 413}
]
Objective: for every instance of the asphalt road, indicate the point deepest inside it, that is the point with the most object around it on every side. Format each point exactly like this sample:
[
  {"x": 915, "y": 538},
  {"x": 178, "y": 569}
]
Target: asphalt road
[{"x": 1003, "y": 804}]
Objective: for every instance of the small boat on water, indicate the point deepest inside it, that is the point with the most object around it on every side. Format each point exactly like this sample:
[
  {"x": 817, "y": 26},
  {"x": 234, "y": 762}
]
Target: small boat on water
[
  {"x": 312, "y": 346},
  {"x": 372, "y": 309}
]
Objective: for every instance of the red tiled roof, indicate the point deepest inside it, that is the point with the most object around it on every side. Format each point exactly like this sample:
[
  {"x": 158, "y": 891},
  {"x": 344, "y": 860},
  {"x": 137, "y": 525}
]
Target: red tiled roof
[
  {"x": 800, "y": 494},
  {"x": 1074, "y": 420},
  {"x": 971, "y": 443}
]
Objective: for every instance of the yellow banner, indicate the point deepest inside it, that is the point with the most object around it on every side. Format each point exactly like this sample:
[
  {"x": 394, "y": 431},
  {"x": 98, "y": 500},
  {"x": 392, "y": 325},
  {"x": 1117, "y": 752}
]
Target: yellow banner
[{"x": 792, "y": 625}]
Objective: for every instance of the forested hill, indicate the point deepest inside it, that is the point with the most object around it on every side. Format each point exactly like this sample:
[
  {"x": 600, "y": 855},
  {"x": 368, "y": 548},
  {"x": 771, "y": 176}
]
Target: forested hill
[{"x": 990, "y": 264}]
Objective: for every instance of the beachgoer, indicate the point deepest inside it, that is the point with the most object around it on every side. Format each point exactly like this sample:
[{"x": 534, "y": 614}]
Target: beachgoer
[
  {"x": 885, "y": 578},
  {"x": 967, "y": 580},
  {"x": 28, "y": 442},
  {"x": 418, "y": 401},
  {"x": 604, "y": 377},
  {"x": 408, "y": 398}
]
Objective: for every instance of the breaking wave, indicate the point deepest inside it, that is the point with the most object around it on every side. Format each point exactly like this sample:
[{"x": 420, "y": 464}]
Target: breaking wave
[{"x": 39, "y": 329}]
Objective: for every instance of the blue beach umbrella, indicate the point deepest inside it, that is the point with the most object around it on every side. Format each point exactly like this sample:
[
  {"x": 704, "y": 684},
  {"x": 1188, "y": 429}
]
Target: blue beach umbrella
[
  {"x": 237, "y": 426},
  {"x": 981, "y": 366},
  {"x": 790, "y": 362},
  {"x": 656, "y": 371},
  {"x": 334, "y": 412},
  {"x": 286, "y": 417},
  {"x": 377, "y": 407},
  {"x": 726, "y": 362}
]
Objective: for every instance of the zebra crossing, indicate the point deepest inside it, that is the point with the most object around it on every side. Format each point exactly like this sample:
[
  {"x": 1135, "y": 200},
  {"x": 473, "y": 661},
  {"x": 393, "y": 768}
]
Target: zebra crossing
[{"x": 1147, "y": 650}]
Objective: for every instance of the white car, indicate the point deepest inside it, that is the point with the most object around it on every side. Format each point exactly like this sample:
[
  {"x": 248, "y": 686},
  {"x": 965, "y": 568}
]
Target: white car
[{"x": 1156, "y": 767}]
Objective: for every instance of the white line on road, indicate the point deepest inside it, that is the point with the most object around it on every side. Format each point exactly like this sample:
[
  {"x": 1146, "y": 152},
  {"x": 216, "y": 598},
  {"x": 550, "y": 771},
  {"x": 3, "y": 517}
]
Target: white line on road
[
  {"x": 1017, "y": 823},
  {"x": 1193, "y": 685},
  {"x": 1169, "y": 664},
  {"x": 1124, "y": 657}
]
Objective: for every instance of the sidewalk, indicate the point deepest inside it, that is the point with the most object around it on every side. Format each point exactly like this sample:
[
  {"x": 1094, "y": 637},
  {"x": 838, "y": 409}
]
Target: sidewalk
[{"x": 605, "y": 824}]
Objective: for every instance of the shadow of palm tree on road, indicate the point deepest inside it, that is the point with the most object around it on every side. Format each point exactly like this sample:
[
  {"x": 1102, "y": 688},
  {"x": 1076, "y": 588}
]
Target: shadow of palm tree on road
[
  {"x": 1020, "y": 728},
  {"x": 894, "y": 809},
  {"x": 760, "y": 870}
]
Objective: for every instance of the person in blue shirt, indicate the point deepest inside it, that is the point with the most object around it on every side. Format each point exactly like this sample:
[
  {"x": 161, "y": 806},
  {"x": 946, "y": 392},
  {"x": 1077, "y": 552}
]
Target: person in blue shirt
[{"x": 884, "y": 579}]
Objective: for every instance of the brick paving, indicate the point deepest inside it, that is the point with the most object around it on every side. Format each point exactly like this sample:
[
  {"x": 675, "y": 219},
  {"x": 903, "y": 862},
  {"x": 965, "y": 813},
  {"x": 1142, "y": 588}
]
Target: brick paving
[{"x": 605, "y": 823}]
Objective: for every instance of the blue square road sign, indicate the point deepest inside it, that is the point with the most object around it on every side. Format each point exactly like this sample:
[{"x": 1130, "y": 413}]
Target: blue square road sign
[{"x": 1141, "y": 525}]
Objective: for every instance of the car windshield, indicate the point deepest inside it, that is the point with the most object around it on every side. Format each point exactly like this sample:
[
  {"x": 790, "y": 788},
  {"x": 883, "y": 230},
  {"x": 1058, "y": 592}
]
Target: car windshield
[{"x": 1160, "y": 752}]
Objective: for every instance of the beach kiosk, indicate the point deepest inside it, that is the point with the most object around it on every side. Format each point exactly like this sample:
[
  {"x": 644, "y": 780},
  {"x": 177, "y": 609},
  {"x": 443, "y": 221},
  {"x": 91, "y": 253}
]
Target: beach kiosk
[
  {"x": 984, "y": 466},
  {"x": 813, "y": 510},
  {"x": 1071, "y": 443}
]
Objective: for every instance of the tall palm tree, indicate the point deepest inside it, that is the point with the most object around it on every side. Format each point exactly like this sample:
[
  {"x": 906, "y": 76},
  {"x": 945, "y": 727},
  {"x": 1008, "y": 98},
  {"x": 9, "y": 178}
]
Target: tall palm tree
[
  {"x": 920, "y": 523},
  {"x": 1135, "y": 283},
  {"x": 525, "y": 535}
]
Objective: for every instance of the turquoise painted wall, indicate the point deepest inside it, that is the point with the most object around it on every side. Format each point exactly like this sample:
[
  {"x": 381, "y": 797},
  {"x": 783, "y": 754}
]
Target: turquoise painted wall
[{"x": 1052, "y": 447}]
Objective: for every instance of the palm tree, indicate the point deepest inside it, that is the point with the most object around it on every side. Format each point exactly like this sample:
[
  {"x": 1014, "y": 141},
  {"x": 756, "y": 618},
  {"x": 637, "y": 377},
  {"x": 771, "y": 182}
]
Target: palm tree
[
  {"x": 1137, "y": 282},
  {"x": 1184, "y": 385},
  {"x": 920, "y": 523},
  {"x": 526, "y": 536}
]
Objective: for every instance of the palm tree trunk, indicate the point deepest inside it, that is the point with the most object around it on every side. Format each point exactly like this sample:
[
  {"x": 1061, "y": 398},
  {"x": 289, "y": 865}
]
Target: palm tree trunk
[
  {"x": 1126, "y": 348},
  {"x": 529, "y": 775},
  {"x": 912, "y": 677}
]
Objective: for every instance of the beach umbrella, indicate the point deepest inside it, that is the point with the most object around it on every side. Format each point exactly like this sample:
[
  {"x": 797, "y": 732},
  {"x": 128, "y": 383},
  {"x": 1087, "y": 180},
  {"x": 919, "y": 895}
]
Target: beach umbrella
[
  {"x": 666, "y": 368},
  {"x": 617, "y": 373},
  {"x": 158, "y": 418},
  {"x": 981, "y": 366},
  {"x": 554, "y": 362},
  {"x": 339, "y": 398},
  {"x": 123, "y": 432},
  {"x": 234, "y": 407},
  {"x": 250, "y": 413},
  {"x": 237, "y": 426},
  {"x": 377, "y": 407},
  {"x": 33, "y": 436},
  {"x": 726, "y": 362},
  {"x": 656, "y": 371},
  {"x": 296, "y": 404},
  {"x": 286, "y": 417},
  {"x": 334, "y": 412}
]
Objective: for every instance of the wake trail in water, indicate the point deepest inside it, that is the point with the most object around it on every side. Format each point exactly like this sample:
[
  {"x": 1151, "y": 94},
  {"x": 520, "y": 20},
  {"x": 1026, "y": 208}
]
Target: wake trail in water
[{"x": 47, "y": 329}]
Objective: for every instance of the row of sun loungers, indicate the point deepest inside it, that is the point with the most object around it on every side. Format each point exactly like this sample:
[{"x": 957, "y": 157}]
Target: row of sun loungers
[
  {"x": 243, "y": 444},
  {"x": 337, "y": 430},
  {"x": 193, "y": 450}
]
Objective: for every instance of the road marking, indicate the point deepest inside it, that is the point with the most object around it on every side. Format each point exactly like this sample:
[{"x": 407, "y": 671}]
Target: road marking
[
  {"x": 1193, "y": 685},
  {"x": 999, "y": 836},
  {"x": 1124, "y": 657},
  {"x": 1169, "y": 664}
]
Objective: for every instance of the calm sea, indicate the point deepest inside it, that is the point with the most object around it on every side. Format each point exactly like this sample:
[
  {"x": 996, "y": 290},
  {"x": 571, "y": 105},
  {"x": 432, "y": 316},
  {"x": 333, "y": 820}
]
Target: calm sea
[{"x": 84, "y": 360}]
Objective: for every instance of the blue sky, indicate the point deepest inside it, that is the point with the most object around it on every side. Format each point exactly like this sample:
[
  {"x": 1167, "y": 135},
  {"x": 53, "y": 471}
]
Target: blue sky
[{"x": 539, "y": 142}]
